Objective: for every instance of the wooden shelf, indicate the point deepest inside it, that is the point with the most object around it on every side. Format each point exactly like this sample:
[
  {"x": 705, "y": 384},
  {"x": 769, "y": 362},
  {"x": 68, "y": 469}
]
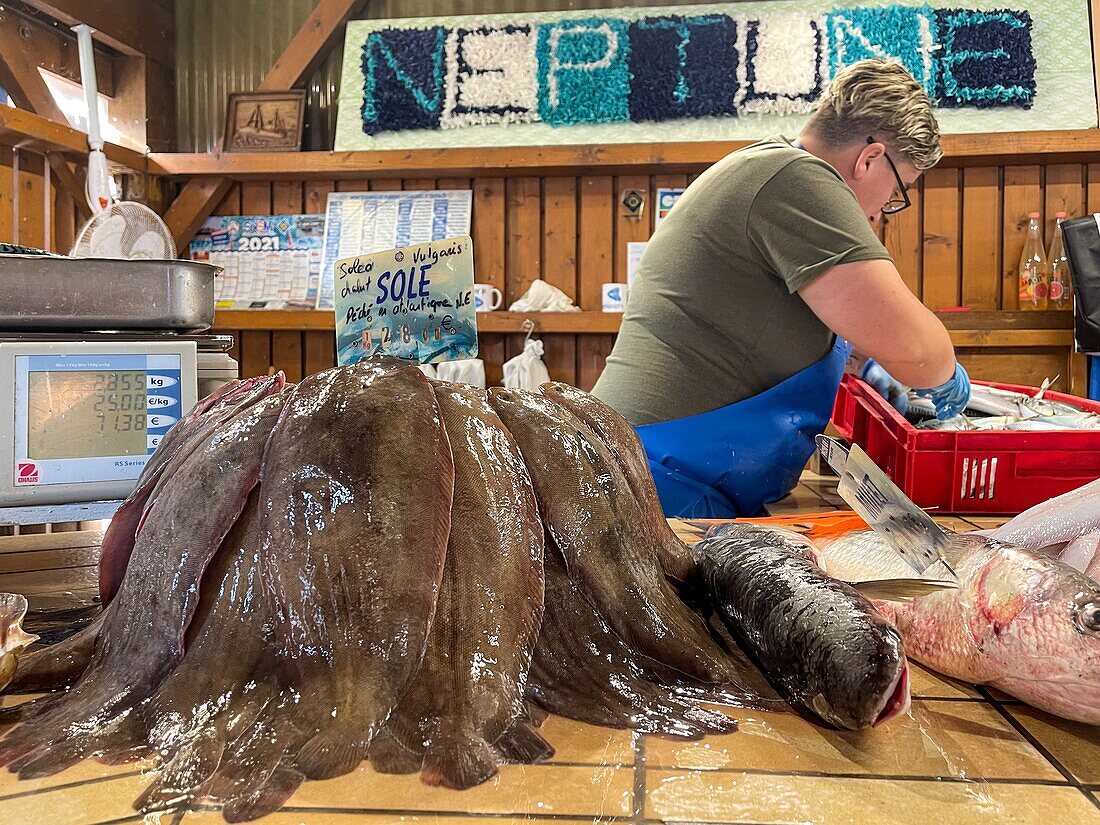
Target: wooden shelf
[
  {"x": 545, "y": 322},
  {"x": 26, "y": 130},
  {"x": 968, "y": 329},
  {"x": 604, "y": 159}
]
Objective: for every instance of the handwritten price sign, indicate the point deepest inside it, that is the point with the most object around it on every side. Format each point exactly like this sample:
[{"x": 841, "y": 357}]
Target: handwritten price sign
[{"x": 415, "y": 302}]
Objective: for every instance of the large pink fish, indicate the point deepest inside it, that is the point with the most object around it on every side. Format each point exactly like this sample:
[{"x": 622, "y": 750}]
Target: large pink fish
[{"x": 1019, "y": 621}]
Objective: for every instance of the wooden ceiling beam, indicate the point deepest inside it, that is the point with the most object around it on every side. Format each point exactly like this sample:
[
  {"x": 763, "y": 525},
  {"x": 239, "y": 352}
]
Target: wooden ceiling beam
[
  {"x": 136, "y": 27},
  {"x": 19, "y": 75},
  {"x": 299, "y": 59}
]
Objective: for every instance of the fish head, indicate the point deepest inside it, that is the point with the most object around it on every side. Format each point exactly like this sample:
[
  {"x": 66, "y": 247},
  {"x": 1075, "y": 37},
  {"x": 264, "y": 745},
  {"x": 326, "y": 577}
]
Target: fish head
[
  {"x": 1038, "y": 620},
  {"x": 13, "y": 638},
  {"x": 870, "y": 682}
]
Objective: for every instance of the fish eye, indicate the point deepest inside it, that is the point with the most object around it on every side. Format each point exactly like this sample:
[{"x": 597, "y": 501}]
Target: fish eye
[{"x": 1088, "y": 617}]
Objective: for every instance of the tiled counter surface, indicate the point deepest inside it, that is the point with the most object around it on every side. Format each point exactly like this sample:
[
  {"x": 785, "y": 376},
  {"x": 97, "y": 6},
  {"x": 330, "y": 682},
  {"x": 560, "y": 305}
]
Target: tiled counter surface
[{"x": 962, "y": 756}]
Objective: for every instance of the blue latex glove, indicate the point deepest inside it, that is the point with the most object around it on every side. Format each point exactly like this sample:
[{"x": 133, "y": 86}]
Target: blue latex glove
[
  {"x": 885, "y": 385},
  {"x": 952, "y": 396}
]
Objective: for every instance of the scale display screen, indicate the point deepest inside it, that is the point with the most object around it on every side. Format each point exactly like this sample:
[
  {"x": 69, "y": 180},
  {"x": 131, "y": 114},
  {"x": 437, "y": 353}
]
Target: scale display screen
[
  {"x": 79, "y": 414},
  {"x": 79, "y": 419},
  {"x": 91, "y": 417}
]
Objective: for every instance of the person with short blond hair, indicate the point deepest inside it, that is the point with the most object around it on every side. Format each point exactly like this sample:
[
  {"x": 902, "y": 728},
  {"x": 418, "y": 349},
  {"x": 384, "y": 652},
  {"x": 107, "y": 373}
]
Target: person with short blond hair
[{"x": 755, "y": 289}]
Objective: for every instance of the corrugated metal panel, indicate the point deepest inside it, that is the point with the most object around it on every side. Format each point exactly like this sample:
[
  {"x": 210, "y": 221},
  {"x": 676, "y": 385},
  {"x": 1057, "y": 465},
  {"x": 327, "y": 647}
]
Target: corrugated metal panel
[{"x": 225, "y": 46}]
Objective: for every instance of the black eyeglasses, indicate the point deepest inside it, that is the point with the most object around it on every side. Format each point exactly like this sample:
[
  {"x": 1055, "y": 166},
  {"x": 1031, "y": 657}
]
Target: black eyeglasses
[{"x": 894, "y": 205}]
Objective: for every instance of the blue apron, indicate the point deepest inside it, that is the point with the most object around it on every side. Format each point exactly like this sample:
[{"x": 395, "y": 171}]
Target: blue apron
[{"x": 731, "y": 461}]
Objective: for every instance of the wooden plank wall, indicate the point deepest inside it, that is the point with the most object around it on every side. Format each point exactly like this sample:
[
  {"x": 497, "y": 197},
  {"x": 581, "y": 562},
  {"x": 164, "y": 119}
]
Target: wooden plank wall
[
  {"x": 957, "y": 246},
  {"x": 25, "y": 216}
]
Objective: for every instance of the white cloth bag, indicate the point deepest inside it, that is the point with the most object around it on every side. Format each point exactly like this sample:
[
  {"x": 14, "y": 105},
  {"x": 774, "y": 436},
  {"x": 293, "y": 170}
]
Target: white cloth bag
[
  {"x": 526, "y": 371},
  {"x": 464, "y": 371}
]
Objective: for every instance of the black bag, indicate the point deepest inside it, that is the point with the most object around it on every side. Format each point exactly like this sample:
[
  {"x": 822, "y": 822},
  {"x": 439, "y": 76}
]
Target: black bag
[{"x": 1082, "y": 238}]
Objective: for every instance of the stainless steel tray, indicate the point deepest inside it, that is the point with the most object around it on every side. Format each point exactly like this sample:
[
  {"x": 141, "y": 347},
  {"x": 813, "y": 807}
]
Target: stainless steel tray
[{"x": 57, "y": 293}]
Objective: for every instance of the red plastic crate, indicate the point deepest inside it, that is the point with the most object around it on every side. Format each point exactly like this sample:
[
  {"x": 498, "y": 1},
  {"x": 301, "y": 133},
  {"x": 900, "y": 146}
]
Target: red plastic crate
[{"x": 996, "y": 472}]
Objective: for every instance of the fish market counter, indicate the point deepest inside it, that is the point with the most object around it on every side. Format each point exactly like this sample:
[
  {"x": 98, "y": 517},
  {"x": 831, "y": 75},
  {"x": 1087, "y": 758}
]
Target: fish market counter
[{"x": 961, "y": 755}]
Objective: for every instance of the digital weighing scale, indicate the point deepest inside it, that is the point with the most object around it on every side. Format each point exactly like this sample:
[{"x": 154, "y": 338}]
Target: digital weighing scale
[{"x": 97, "y": 361}]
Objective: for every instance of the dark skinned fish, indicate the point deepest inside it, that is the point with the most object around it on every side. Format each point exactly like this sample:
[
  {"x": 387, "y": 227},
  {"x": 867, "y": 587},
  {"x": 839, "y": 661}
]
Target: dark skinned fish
[
  {"x": 626, "y": 448},
  {"x": 224, "y": 679},
  {"x": 357, "y": 489},
  {"x": 584, "y": 671},
  {"x": 180, "y": 441},
  {"x": 822, "y": 644},
  {"x": 142, "y": 637},
  {"x": 61, "y": 664},
  {"x": 596, "y": 522},
  {"x": 469, "y": 689}
]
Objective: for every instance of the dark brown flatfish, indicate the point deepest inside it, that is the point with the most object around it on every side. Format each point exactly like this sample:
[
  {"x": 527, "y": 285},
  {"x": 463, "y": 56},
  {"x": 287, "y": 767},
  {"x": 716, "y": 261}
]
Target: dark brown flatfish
[
  {"x": 141, "y": 640},
  {"x": 179, "y": 442},
  {"x": 469, "y": 689},
  {"x": 597, "y": 523},
  {"x": 626, "y": 448},
  {"x": 356, "y": 496},
  {"x": 582, "y": 669}
]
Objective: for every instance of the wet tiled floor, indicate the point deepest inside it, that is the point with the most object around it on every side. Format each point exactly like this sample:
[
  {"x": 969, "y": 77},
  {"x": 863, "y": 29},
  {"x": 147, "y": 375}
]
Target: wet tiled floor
[{"x": 961, "y": 756}]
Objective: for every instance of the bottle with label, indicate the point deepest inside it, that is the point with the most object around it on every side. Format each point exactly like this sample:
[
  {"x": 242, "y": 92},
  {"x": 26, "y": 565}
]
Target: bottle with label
[
  {"x": 1060, "y": 292},
  {"x": 1033, "y": 268}
]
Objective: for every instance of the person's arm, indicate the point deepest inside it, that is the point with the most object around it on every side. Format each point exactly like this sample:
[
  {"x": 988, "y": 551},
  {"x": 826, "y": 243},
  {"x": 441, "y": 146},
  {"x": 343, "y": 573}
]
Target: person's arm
[{"x": 868, "y": 304}]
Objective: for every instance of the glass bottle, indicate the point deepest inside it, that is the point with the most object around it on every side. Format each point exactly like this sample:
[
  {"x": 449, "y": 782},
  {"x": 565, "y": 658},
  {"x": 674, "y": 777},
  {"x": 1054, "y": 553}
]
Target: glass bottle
[
  {"x": 1033, "y": 268},
  {"x": 1060, "y": 292}
]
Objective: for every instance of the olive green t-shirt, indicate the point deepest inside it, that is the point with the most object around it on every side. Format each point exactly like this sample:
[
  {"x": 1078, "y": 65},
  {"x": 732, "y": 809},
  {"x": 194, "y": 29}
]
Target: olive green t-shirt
[{"x": 713, "y": 316}]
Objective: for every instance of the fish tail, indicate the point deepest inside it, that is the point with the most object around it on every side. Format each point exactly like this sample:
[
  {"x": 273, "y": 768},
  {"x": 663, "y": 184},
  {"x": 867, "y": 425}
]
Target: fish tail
[
  {"x": 458, "y": 762},
  {"x": 330, "y": 754},
  {"x": 194, "y": 763},
  {"x": 26, "y": 710},
  {"x": 266, "y": 799},
  {"x": 387, "y": 755},
  {"x": 523, "y": 744},
  {"x": 48, "y": 761},
  {"x": 58, "y": 665},
  {"x": 156, "y": 796}
]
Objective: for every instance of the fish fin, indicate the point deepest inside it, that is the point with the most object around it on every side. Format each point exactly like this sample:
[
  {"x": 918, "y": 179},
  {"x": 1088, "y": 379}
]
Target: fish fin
[
  {"x": 458, "y": 762},
  {"x": 156, "y": 797},
  {"x": 125, "y": 756},
  {"x": 523, "y": 744},
  {"x": 26, "y": 710},
  {"x": 329, "y": 754},
  {"x": 674, "y": 731},
  {"x": 48, "y": 761},
  {"x": 266, "y": 799},
  {"x": 387, "y": 755},
  {"x": 13, "y": 750},
  {"x": 536, "y": 716},
  {"x": 901, "y": 590},
  {"x": 194, "y": 763}
]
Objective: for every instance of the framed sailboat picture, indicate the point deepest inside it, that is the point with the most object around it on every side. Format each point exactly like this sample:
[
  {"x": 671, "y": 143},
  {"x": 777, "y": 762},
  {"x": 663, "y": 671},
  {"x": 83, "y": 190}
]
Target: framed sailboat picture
[{"x": 265, "y": 121}]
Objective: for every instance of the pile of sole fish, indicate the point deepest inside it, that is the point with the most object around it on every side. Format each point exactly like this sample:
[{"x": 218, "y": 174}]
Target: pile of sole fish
[{"x": 372, "y": 565}]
